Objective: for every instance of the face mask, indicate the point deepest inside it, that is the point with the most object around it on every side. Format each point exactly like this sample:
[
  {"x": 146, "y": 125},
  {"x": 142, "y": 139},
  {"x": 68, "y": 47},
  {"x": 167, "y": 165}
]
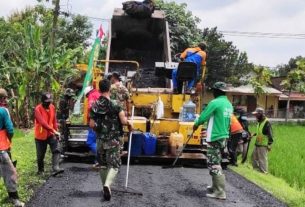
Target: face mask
[{"x": 46, "y": 105}]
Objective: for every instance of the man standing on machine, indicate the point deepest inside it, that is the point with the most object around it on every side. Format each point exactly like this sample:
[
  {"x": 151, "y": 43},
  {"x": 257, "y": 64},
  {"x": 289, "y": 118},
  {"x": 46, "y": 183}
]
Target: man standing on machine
[
  {"x": 195, "y": 55},
  {"x": 218, "y": 114}
]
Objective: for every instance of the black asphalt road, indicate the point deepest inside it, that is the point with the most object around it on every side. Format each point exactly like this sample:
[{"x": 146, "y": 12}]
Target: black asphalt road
[{"x": 80, "y": 186}]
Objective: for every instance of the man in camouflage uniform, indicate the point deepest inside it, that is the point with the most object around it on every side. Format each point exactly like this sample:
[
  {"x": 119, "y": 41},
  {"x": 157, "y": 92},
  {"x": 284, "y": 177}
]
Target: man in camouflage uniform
[
  {"x": 218, "y": 114},
  {"x": 107, "y": 119},
  {"x": 119, "y": 92}
]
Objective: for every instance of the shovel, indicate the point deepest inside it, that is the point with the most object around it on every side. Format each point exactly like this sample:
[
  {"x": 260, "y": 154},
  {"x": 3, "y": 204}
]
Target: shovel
[{"x": 174, "y": 163}]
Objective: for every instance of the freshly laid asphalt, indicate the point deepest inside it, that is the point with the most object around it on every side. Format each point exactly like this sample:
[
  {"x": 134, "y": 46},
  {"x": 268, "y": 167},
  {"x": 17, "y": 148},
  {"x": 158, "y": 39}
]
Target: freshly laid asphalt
[{"x": 80, "y": 186}]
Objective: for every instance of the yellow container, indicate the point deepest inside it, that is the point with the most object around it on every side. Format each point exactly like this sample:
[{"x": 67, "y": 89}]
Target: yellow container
[
  {"x": 178, "y": 101},
  {"x": 186, "y": 129},
  {"x": 139, "y": 125},
  {"x": 176, "y": 143}
]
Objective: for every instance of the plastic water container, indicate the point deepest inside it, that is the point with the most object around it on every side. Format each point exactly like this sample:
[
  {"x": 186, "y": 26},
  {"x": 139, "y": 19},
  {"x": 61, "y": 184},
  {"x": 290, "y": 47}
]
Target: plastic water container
[
  {"x": 150, "y": 144},
  {"x": 176, "y": 143},
  {"x": 189, "y": 111},
  {"x": 137, "y": 143}
]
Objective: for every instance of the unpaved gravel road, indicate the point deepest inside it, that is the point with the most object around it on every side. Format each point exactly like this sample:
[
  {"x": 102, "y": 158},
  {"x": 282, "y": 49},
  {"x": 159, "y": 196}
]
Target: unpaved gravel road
[{"x": 79, "y": 186}]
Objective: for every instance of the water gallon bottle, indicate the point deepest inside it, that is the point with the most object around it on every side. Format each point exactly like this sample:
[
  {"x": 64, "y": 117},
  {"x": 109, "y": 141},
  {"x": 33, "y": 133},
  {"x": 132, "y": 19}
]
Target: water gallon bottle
[
  {"x": 181, "y": 114},
  {"x": 189, "y": 111}
]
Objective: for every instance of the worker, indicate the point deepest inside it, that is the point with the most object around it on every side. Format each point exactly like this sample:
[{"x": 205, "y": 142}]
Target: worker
[
  {"x": 196, "y": 55},
  {"x": 92, "y": 95},
  {"x": 107, "y": 119},
  {"x": 264, "y": 140},
  {"x": 242, "y": 147},
  {"x": 66, "y": 104},
  {"x": 46, "y": 134},
  {"x": 7, "y": 169},
  {"x": 119, "y": 92},
  {"x": 218, "y": 114},
  {"x": 235, "y": 138}
]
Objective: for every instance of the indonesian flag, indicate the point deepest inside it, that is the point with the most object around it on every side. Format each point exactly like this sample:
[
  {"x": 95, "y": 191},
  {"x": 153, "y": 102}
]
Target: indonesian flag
[{"x": 100, "y": 33}]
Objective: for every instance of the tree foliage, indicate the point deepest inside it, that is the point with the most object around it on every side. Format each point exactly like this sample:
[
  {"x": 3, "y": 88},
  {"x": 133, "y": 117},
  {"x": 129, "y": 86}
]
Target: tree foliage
[
  {"x": 224, "y": 61},
  {"x": 29, "y": 65},
  {"x": 284, "y": 69},
  {"x": 184, "y": 31},
  {"x": 261, "y": 79}
]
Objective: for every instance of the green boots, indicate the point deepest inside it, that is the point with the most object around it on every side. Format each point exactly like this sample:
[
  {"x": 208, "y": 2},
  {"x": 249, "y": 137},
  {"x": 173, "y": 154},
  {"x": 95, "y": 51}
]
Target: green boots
[
  {"x": 108, "y": 176},
  {"x": 217, "y": 190}
]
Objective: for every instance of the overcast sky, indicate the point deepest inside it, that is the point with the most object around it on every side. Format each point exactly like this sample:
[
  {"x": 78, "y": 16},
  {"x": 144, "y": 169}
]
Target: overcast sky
[{"x": 274, "y": 16}]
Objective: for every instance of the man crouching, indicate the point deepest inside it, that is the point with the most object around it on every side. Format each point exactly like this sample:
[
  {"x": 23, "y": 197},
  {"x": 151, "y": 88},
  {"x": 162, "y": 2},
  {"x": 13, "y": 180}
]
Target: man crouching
[{"x": 107, "y": 119}]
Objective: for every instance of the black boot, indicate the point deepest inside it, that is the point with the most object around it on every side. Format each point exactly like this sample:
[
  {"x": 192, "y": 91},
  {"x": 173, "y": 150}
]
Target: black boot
[{"x": 14, "y": 199}]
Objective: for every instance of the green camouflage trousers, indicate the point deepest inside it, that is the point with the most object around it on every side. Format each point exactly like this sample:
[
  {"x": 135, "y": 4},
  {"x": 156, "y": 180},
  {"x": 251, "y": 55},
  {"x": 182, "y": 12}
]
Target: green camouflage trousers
[
  {"x": 109, "y": 153},
  {"x": 214, "y": 156}
]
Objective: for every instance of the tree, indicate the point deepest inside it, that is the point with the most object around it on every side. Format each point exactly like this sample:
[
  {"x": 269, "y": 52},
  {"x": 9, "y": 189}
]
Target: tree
[
  {"x": 27, "y": 60},
  {"x": 184, "y": 31},
  {"x": 224, "y": 61},
  {"x": 284, "y": 69},
  {"x": 295, "y": 80},
  {"x": 260, "y": 80}
]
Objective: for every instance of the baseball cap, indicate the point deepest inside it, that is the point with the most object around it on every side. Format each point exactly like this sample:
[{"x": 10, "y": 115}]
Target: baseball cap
[
  {"x": 46, "y": 97},
  {"x": 259, "y": 110},
  {"x": 220, "y": 86}
]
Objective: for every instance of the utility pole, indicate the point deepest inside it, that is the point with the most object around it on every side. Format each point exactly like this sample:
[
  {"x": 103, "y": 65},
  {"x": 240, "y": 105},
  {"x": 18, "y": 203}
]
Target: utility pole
[{"x": 55, "y": 20}]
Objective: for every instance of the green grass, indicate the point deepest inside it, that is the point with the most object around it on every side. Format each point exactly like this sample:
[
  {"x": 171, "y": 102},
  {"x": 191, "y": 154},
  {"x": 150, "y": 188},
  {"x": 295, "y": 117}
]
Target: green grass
[
  {"x": 286, "y": 165},
  {"x": 23, "y": 150}
]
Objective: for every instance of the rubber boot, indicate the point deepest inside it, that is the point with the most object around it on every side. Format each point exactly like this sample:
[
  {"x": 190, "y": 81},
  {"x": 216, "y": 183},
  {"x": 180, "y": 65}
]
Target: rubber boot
[
  {"x": 219, "y": 187},
  {"x": 109, "y": 180},
  {"x": 103, "y": 175},
  {"x": 55, "y": 164},
  {"x": 14, "y": 199}
]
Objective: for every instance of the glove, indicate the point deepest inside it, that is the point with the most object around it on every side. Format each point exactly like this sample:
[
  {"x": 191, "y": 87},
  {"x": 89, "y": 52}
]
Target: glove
[{"x": 269, "y": 148}]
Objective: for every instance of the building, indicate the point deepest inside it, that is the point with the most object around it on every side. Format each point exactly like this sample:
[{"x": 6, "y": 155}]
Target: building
[{"x": 245, "y": 97}]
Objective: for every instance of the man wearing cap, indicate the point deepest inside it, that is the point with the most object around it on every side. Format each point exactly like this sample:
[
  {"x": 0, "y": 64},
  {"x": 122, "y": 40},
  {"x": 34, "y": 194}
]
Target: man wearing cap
[
  {"x": 195, "y": 55},
  {"x": 7, "y": 169},
  {"x": 119, "y": 92},
  {"x": 264, "y": 140},
  {"x": 46, "y": 133},
  {"x": 66, "y": 104},
  {"x": 218, "y": 114}
]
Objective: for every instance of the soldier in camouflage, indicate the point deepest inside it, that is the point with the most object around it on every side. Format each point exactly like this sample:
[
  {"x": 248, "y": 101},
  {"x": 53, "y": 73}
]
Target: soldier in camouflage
[
  {"x": 218, "y": 114},
  {"x": 107, "y": 119},
  {"x": 119, "y": 92}
]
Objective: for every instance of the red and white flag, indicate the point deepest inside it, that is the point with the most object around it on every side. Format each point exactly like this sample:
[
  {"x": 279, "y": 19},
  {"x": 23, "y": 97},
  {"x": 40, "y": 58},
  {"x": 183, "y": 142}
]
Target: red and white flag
[{"x": 100, "y": 33}]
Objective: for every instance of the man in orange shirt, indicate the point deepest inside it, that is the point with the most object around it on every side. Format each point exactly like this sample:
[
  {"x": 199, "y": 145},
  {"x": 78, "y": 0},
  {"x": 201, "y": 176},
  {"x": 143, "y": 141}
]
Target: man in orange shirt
[
  {"x": 196, "y": 55},
  {"x": 46, "y": 134},
  {"x": 236, "y": 136}
]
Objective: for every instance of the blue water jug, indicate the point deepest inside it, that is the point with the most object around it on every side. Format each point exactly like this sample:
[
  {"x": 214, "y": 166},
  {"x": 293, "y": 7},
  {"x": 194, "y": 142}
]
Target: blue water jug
[
  {"x": 137, "y": 143},
  {"x": 150, "y": 144}
]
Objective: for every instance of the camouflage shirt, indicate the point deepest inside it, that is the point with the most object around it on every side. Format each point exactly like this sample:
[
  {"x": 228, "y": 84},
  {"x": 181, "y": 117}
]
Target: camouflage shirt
[
  {"x": 120, "y": 94},
  {"x": 109, "y": 129}
]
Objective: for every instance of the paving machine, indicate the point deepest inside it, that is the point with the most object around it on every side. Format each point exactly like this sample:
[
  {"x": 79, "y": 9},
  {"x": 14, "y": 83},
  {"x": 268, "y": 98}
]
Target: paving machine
[{"x": 139, "y": 49}]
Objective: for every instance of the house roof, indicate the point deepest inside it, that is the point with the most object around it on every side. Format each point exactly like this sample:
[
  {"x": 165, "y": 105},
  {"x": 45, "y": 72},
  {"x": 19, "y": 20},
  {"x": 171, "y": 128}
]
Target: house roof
[
  {"x": 248, "y": 89},
  {"x": 294, "y": 96},
  {"x": 276, "y": 82}
]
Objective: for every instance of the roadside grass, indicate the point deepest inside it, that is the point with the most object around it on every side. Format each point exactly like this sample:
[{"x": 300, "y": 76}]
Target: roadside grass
[
  {"x": 286, "y": 178},
  {"x": 24, "y": 151}
]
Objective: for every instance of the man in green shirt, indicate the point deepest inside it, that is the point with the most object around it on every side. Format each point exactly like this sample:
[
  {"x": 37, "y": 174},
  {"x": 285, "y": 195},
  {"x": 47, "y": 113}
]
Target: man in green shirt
[{"x": 218, "y": 114}]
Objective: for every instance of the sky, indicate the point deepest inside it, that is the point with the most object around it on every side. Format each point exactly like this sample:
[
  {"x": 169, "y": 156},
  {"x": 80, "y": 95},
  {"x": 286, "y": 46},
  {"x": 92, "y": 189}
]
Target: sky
[{"x": 268, "y": 16}]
